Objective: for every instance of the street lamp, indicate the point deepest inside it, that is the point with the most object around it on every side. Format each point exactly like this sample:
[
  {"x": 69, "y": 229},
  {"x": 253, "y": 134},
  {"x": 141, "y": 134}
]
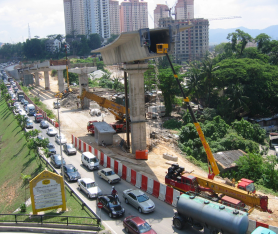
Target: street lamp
[{"x": 62, "y": 159}]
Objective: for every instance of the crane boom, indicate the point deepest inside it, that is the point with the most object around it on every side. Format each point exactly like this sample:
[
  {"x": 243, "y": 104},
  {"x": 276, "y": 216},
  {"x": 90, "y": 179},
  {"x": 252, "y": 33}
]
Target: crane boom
[
  {"x": 162, "y": 49},
  {"x": 117, "y": 110}
]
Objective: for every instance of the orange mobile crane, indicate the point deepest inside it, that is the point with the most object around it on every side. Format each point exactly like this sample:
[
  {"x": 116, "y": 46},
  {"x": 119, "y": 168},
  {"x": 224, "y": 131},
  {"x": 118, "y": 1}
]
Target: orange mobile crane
[
  {"x": 239, "y": 196},
  {"x": 117, "y": 110}
]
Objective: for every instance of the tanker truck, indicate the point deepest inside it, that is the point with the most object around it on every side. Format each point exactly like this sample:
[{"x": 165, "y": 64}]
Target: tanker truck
[{"x": 211, "y": 217}]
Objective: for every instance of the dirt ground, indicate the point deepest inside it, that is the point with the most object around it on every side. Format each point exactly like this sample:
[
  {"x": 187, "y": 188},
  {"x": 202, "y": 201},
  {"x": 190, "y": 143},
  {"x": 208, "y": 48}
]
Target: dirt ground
[{"x": 74, "y": 121}]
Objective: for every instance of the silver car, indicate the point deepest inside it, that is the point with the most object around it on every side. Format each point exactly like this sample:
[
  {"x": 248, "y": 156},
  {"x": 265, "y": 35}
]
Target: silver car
[
  {"x": 139, "y": 200},
  {"x": 51, "y": 131},
  {"x": 69, "y": 149},
  {"x": 89, "y": 187}
]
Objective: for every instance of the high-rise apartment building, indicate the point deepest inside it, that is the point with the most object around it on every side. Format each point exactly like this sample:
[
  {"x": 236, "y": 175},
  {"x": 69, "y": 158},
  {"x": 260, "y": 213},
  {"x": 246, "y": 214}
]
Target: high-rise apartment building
[
  {"x": 133, "y": 15},
  {"x": 87, "y": 17},
  {"x": 161, "y": 11},
  {"x": 191, "y": 44},
  {"x": 114, "y": 15},
  {"x": 184, "y": 10}
]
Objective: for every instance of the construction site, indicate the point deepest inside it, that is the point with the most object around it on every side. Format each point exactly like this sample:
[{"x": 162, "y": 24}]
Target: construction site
[{"x": 146, "y": 133}]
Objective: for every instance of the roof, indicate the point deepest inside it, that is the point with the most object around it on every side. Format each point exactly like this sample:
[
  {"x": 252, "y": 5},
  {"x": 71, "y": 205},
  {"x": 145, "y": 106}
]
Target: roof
[
  {"x": 103, "y": 127},
  {"x": 87, "y": 180},
  {"x": 137, "y": 192},
  {"x": 138, "y": 220},
  {"x": 88, "y": 154},
  {"x": 227, "y": 159},
  {"x": 107, "y": 169}
]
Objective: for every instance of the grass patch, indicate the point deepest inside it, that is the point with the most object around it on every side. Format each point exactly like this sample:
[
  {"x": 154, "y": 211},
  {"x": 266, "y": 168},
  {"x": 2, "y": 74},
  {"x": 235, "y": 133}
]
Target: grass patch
[{"x": 15, "y": 160}]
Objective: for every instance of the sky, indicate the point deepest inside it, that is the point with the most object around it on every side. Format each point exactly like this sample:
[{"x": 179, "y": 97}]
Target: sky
[{"x": 46, "y": 17}]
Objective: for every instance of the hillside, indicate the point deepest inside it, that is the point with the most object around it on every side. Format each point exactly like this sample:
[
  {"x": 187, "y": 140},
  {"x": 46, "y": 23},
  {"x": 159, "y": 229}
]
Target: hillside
[{"x": 219, "y": 35}]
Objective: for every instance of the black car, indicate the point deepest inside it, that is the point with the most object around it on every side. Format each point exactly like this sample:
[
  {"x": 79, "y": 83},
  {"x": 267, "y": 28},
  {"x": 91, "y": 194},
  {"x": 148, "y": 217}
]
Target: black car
[
  {"x": 71, "y": 173},
  {"x": 56, "y": 160},
  {"x": 111, "y": 205},
  {"x": 44, "y": 124},
  {"x": 51, "y": 149}
]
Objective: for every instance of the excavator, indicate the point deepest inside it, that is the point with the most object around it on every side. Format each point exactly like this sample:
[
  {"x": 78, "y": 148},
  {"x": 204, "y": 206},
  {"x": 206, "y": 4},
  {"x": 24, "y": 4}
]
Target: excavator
[
  {"x": 68, "y": 90},
  {"x": 117, "y": 110},
  {"x": 239, "y": 195}
]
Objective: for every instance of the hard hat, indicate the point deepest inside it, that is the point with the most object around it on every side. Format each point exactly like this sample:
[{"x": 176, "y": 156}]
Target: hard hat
[{"x": 112, "y": 187}]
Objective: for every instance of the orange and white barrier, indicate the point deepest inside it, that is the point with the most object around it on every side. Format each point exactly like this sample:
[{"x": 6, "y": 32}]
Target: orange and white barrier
[{"x": 146, "y": 184}]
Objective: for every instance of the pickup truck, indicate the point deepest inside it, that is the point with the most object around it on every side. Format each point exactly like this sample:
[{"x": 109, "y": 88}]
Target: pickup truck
[{"x": 38, "y": 117}]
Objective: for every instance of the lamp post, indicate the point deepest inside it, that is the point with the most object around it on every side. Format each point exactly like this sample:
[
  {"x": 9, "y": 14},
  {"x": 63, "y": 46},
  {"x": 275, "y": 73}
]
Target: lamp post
[{"x": 62, "y": 159}]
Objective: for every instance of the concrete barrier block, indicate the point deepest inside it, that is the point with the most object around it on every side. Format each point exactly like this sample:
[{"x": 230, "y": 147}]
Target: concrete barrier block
[{"x": 170, "y": 157}]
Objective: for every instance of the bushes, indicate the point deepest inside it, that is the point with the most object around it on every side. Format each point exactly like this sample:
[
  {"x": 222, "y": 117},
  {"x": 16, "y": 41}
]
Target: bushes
[{"x": 172, "y": 124}]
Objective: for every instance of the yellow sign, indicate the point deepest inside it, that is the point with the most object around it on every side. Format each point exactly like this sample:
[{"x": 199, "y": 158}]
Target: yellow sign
[{"x": 47, "y": 192}]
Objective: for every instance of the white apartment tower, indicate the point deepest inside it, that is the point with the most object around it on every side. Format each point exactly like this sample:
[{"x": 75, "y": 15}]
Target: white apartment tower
[
  {"x": 86, "y": 17},
  {"x": 133, "y": 15},
  {"x": 114, "y": 15},
  {"x": 161, "y": 11},
  {"x": 184, "y": 10}
]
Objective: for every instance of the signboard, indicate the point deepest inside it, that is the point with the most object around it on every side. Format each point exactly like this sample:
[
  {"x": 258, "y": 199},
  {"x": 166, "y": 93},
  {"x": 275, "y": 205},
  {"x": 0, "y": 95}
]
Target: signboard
[
  {"x": 100, "y": 205},
  {"x": 47, "y": 192}
]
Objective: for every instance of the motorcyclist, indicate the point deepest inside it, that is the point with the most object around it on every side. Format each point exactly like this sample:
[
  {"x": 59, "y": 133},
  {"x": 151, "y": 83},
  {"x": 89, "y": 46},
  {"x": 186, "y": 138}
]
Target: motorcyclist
[{"x": 113, "y": 191}]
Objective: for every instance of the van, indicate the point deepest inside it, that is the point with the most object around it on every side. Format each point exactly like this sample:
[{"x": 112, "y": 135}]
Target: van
[
  {"x": 89, "y": 160},
  {"x": 56, "y": 105},
  {"x": 30, "y": 109}
]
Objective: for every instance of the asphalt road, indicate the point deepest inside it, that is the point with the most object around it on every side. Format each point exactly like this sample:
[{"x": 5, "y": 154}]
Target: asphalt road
[{"x": 160, "y": 219}]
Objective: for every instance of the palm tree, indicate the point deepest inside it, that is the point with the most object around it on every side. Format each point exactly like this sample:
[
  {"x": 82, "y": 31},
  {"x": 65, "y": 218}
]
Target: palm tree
[
  {"x": 22, "y": 120},
  {"x": 207, "y": 70},
  {"x": 237, "y": 102}
]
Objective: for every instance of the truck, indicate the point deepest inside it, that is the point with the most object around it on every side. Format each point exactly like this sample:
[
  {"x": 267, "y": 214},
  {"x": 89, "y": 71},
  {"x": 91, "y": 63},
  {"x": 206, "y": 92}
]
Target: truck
[
  {"x": 211, "y": 217},
  {"x": 20, "y": 95},
  {"x": 117, "y": 110},
  {"x": 156, "y": 111},
  {"x": 177, "y": 178},
  {"x": 30, "y": 109},
  {"x": 38, "y": 117}
]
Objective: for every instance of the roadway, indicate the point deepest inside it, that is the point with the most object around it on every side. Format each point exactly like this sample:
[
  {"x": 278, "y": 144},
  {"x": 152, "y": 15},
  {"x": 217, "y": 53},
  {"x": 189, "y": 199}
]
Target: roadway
[{"x": 160, "y": 219}]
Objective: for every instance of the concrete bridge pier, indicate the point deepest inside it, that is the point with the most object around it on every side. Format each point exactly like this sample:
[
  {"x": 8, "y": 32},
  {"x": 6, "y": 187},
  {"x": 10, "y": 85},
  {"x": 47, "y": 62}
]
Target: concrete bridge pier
[
  {"x": 37, "y": 81},
  {"x": 137, "y": 105},
  {"x": 46, "y": 75},
  {"x": 61, "y": 85}
]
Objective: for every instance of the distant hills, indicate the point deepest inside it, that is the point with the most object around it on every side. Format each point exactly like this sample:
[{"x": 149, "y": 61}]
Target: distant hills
[{"x": 219, "y": 35}]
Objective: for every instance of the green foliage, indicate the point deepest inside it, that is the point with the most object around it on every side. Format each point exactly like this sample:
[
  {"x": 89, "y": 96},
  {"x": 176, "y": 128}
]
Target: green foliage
[
  {"x": 249, "y": 131},
  {"x": 262, "y": 171},
  {"x": 172, "y": 124},
  {"x": 73, "y": 77},
  {"x": 215, "y": 129},
  {"x": 53, "y": 73},
  {"x": 208, "y": 114},
  {"x": 112, "y": 38},
  {"x": 239, "y": 40},
  {"x": 94, "y": 41},
  {"x": 100, "y": 65},
  {"x": 22, "y": 120}
]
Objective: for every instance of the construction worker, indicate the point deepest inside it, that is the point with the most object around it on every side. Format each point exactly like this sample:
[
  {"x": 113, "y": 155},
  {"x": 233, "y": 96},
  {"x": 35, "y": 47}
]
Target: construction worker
[{"x": 77, "y": 105}]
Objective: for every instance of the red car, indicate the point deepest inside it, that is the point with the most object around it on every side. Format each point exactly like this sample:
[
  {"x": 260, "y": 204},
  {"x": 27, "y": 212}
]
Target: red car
[{"x": 135, "y": 224}]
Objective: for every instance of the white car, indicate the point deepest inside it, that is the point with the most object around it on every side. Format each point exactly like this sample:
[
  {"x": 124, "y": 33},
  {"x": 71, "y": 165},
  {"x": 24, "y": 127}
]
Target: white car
[
  {"x": 60, "y": 139},
  {"x": 22, "y": 112},
  {"x": 109, "y": 175},
  {"x": 51, "y": 131},
  {"x": 89, "y": 187}
]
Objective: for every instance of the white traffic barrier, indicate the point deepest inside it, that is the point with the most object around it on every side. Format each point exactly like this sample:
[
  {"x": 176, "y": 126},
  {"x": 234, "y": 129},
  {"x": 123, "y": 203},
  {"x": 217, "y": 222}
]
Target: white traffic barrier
[
  {"x": 128, "y": 177},
  {"x": 138, "y": 181},
  {"x": 150, "y": 183},
  {"x": 81, "y": 146},
  {"x": 176, "y": 194},
  {"x": 112, "y": 163},
  {"x": 105, "y": 160},
  {"x": 251, "y": 226},
  {"x": 120, "y": 168},
  {"x": 162, "y": 192}
]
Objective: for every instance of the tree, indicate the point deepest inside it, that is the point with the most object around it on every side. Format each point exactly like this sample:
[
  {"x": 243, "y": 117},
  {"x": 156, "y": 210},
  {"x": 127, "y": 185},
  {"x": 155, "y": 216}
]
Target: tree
[
  {"x": 112, "y": 38},
  {"x": 169, "y": 87},
  {"x": 94, "y": 41},
  {"x": 239, "y": 40},
  {"x": 22, "y": 120},
  {"x": 263, "y": 43}
]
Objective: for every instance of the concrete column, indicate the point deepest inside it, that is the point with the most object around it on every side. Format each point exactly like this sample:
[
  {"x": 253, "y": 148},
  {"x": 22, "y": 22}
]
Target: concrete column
[
  {"x": 137, "y": 105},
  {"x": 83, "y": 84},
  {"x": 46, "y": 75},
  {"x": 37, "y": 81},
  {"x": 61, "y": 85}
]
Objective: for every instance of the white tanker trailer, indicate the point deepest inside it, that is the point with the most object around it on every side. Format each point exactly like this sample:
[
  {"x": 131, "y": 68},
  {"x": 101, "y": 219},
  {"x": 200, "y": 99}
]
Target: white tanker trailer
[{"x": 210, "y": 216}]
